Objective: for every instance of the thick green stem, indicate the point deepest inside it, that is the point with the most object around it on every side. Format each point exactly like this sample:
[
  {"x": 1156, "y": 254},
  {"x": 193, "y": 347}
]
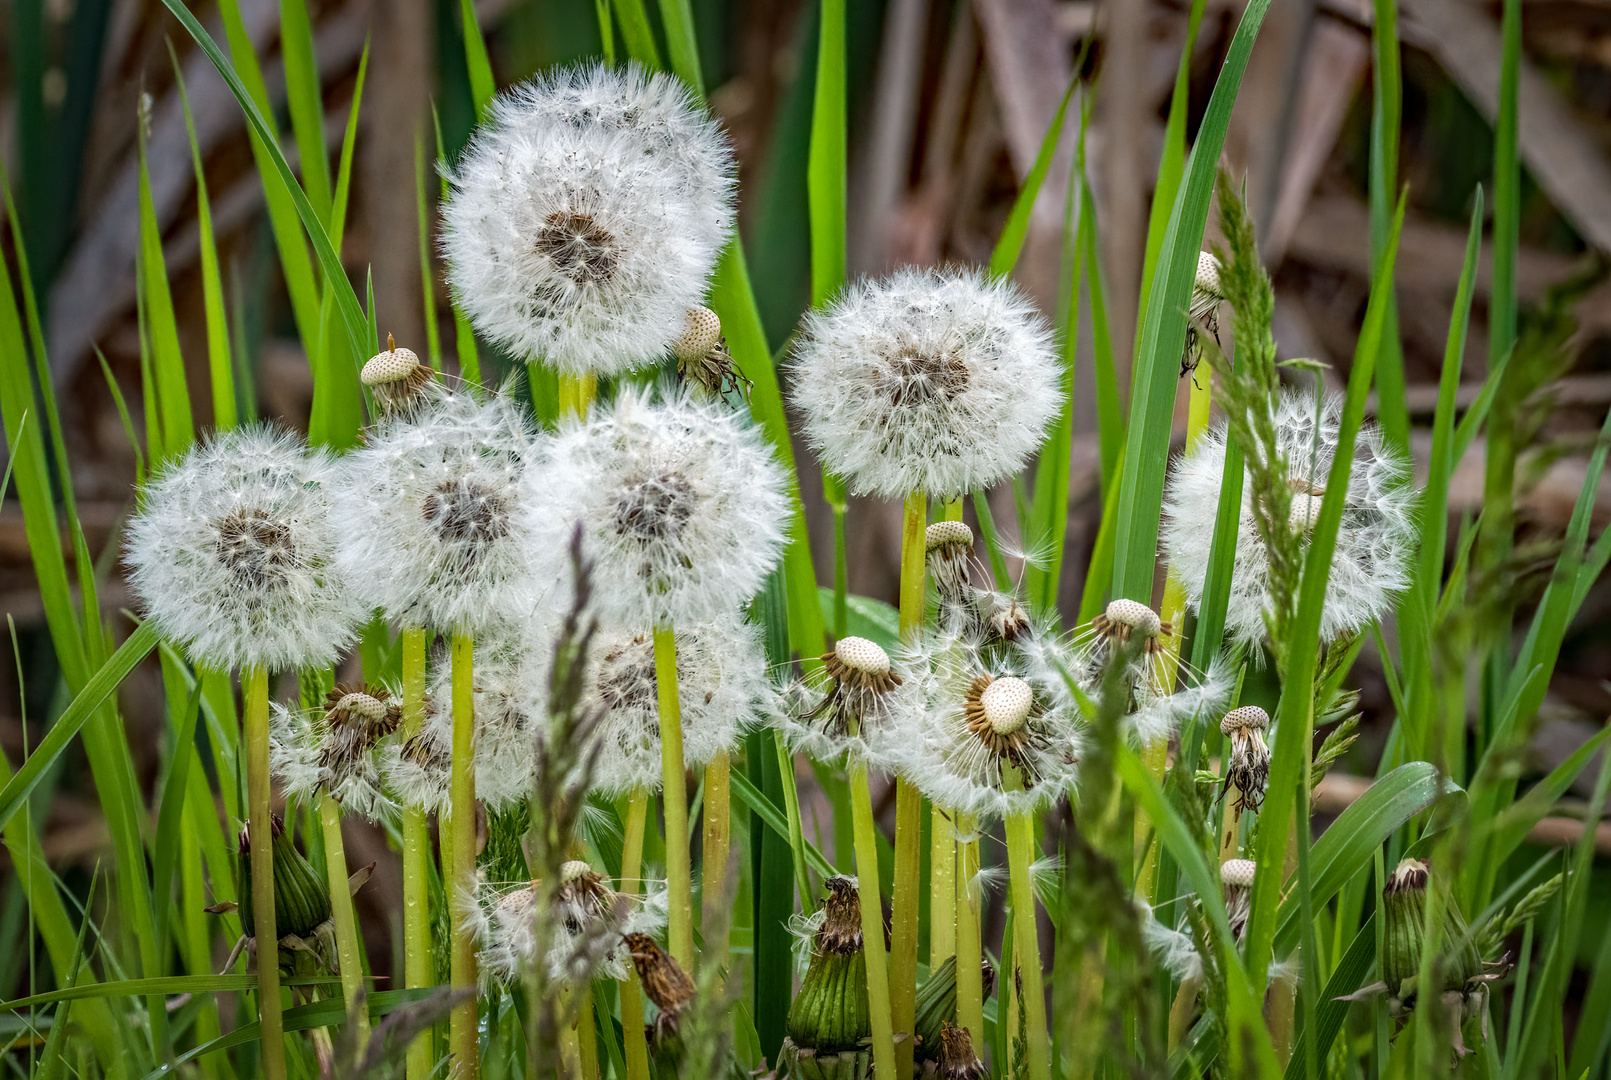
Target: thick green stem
[
  {"x": 970, "y": 973},
  {"x": 254, "y": 689},
  {"x": 908, "y": 804},
  {"x": 417, "y": 962},
  {"x": 637, "y": 1047},
  {"x": 674, "y": 796},
  {"x": 872, "y": 922},
  {"x": 463, "y": 1041},
  {"x": 348, "y": 949},
  {"x": 718, "y": 841},
  {"x": 576, "y": 394},
  {"x": 942, "y": 889},
  {"x": 1020, "y": 855}
]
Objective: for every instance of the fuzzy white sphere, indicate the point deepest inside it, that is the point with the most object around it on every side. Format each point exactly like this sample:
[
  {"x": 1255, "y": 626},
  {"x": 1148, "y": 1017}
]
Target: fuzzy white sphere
[
  {"x": 433, "y": 532},
  {"x": 683, "y": 508},
  {"x": 231, "y": 554},
  {"x": 586, "y": 215},
  {"x": 1375, "y": 541},
  {"x": 722, "y": 682},
  {"x": 938, "y": 381}
]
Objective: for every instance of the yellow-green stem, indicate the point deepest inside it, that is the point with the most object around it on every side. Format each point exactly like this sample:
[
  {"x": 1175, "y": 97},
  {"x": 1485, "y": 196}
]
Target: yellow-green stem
[
  {"x": 576, "y": 394},
  {"x": 970, "y": 973},
  {"x": 1184, "y": 1008},
  {"x": 463, "y": 1043},
  {"x": 587, "y": 1037},
  {"x": 718, "y": 840},
  {"x": 942, "y": 888},
  {"x": 1283, "y": 1007},
  {"x": 637, "y": 1047},
  {"x": 348, "y": 950},
  {"x": 674, "y": 796},
  {"x": 1230, "y": 827},
  {"x": 417, "y": 963},
  {"x": 908, "y": 805},
  {"x": 872, "y": 921},
  {"x": 1020, "y": 855},
  {"x": 254, "y": 689}
]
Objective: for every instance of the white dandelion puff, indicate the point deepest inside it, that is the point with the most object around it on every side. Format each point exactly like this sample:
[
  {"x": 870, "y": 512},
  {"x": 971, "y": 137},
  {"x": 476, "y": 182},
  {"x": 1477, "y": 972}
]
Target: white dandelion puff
[
  {"x": 507, "y": 726},
  {"x": 432, "y": 528},
  {"x": 232, "y": 554},
  {"x": 418, "y": 769},
  {"x": 586, "y": 215},
  {"x": 334, "y": 749},
  {"x": 722, "y": 685},
  {"x": 938, "y": 381},
  {"x": 683, "y": 508},
  {"x": 1374, "y": 541}
]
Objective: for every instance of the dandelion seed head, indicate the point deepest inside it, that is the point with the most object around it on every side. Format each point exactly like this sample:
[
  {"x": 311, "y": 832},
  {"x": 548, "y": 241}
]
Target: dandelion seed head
[
  {"x": 1005, "y": 705},
  {"x": 683, "y": 508},
  {"x": 1206, "y": 291},
  {"x": 232, "y": 554},
  {"x": 948, "y": 547},
  {"x": 701, "y": 332},
  {"x": 1238, "y": 873},
  {"x": 579, "y": 939},
  {"x": 434, "y": 530},
  {"x": 334, "y": 749},
  {"x": 938, "y": 381},
  {"x": 1375, "y": 538},
  {"x": 586, "y": 215}
]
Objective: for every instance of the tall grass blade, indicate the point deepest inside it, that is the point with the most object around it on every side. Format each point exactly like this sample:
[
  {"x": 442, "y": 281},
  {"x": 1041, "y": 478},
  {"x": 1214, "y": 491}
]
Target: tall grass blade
[
  {"x": 1010, "y": 244},
  {"x": 305, "y": 102},
  {"x": 168, "y": 363}
]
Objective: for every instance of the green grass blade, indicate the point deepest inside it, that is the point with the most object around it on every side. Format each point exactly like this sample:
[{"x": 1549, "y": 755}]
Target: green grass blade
[
  {"x": 168, "y": 363},
  {"x": 682, "y": 46},
  {"x": 1173, "y": 161},
  {"x": 1010, "y": 244},
  {"x": 1110, "y": 418},
  {"x": 170, "y": 812},
  {"x": 483, "y": 87},
  {"x": 123, "y": 415},
  {"x": 220, "y": 366},
  {"x": 1163, "y": 331},
  {"x": 636, "y": 34},
  {"x": 1386, "y": 112},
  {"x": 773, "y": 818},
  {"x": 1348, "y": 976},
  {"x": 305, "y": 101},
  {"x": 825, "y": 168}
]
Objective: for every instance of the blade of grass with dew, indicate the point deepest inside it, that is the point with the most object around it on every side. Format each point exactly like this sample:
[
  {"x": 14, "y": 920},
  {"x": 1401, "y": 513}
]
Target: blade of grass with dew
[
  {"x": 1295, "y": 711},
  {"x": 1172, "y": 163},
  {"x": 773, "y": 818},
  {"x": 304, "y": 100},
  {"x": 346, "y": 301},
  {"x": 1163, "y": 331},
  {"x": 1348, "y": 976},
  {"x": 220, "y": 366},
  {"x": 168, "y": 362}
]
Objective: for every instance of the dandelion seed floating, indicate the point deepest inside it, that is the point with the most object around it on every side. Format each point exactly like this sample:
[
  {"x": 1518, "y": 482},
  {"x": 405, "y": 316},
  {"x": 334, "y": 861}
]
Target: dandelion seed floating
[
  {"x": 1248, "y": 770},
  {"x": 1375, "y": 537},
  {"x": 931, "y": 381},
  {"x": 586, "y": 216}
]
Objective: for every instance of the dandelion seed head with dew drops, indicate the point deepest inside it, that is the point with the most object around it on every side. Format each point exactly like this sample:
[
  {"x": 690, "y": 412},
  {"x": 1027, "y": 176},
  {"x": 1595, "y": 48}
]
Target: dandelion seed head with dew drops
[
  {"x": 433, "y": 532},
  {"x": 334, "y": 748},
  {"x": 850, "y": 707},
  {"x": 683, "y": 507},
  {"x": 233, "y": 554},
  {"x": 586, "y": 215},
  {"x": 1375, "y": 539},
  {"x": 580, "y": 939},
  {"x": 722, "y": 683},
  {"x": 938, "y": 381}
]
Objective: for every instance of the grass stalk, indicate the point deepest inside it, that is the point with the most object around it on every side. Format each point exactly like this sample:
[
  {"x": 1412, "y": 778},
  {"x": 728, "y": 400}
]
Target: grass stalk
[
  {"x": 348, "y": 948},
  {"x": 463, "y": 1040},
  {"x": 1020, "y": 855},
  {"x": 908, "y": 804},
  {"x": 637, "y": 1047},
  {"x": 417, "y": 961},
  {"x": 970, "y": 973},
  {"x": 254, "y": 691},
  {"x": 872, "y": 921},
  {"x": 674, "y": 796},
  {"x": 718, "y": 840}
]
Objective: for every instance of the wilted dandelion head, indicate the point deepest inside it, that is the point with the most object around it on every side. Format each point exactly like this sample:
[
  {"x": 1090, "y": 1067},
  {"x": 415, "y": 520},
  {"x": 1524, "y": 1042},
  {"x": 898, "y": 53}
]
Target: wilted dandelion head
[
  {"x": 232, "y": 550},
  {"x": 949, "y": 553},
  {"x": 579, "y": 937},
  {"x": 334, "y": 749},
  {"x": 397, "y": 379},
  {"x": 586, "y": 215},
  {"x": 1236, "y": 877},
  {"x": 432, "y": 523},
  {"x": 418, "y": 769},
  {"x": 1375, "y": 539},
  {"x": 683, "y": 508},
  {"x": 1248, "y": 769},
  {"x": 849, "y": 706},
  {"x": 938, "y": 381},
  {"x": 722, "y": 683}
]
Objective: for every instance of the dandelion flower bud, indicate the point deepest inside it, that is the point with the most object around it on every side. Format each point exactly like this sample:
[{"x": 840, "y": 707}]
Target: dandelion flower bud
[
  {"x": 1375, "y": 538},
  {"x": 1237, "y": 877},
  {"x": 1248, "y": 770},
  {"x": 683, "y": 508},
  {"x": 334, "y": 749},
  {"x": 433, "y": 526},
  {"x": 586, "y": 215},
  {"x": 231, "y": 554},
  {"x": 937, "y": 381},
  {"x": 397, "y": 378},
  {"x": 301, "y": 895},
  {"x": 949, "y": 547},
  {"x": 831, "y": 1014}
]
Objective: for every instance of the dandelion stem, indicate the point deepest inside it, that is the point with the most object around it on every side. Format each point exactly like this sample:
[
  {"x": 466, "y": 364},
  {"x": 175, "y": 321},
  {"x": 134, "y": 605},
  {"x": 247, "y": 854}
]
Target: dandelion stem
[
  {"x": 970, "y": 975},
  {"x": 637, "y": 1047},
  {"x": 908, "y": 804},
  {"x": 1184, "y": 1008},
  {"x": 462, "y": 1035},
  {"x": 254, "y": 689},
  {"x": 718, "y": 839},
  {"x": 576, "y": 394},
  {"x": 872, "y": 922},
  {"x": 942, "y": 889},
  {"x": 674, "y": 795},
  {"x": 833, "y": 493},
  {"x": 348, "y": 949},
  {"x": 417, "y": 963},
  {"x": 1020, "y": 854},
  {"x": 587, "y": 1037}
]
